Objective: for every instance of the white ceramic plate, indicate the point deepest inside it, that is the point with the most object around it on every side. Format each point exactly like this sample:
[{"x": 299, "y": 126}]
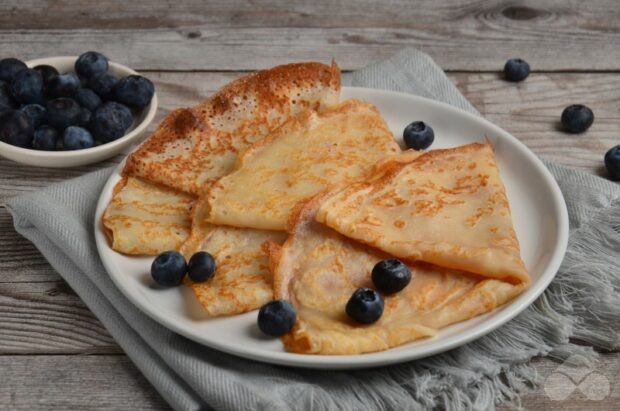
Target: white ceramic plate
[
  {"x": 539, "y": 214},
  {"x": 72, "y": 158}
]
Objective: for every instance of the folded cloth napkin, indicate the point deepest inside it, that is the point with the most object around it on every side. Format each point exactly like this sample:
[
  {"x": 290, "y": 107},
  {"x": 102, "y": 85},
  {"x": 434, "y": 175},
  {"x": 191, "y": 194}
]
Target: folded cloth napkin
[{"x": 582, "y": 302}]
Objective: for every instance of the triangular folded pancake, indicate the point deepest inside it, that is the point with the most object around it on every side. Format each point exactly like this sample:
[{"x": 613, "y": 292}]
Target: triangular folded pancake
[
  {"x": 447, "y": 207},
  {"x": 318, "y": 269},
  {"x": 145, "y": 218},
  {"x": 194, "y": 147},
  {"x": 308, "y": 154},
  {"x": 242, "y": 280}
]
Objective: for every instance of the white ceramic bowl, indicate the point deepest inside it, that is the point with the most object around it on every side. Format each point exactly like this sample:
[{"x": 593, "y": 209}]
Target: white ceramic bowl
[{"x": 60, "y": 159}]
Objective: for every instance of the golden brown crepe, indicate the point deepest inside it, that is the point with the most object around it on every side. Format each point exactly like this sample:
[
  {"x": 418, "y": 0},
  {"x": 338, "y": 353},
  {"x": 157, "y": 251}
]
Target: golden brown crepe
[
  {"x": 308, "y": 154},
  {"x": 447, "y": 207},
  {"x": 318, "y": 269}
]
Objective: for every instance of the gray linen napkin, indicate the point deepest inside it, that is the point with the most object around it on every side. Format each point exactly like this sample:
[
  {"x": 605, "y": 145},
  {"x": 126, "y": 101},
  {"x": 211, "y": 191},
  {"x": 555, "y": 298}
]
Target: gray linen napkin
[{"x": 581, "y": 303}]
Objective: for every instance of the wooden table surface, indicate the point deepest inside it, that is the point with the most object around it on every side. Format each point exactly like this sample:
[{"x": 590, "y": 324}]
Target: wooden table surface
[{"x": 55, "y": 354}]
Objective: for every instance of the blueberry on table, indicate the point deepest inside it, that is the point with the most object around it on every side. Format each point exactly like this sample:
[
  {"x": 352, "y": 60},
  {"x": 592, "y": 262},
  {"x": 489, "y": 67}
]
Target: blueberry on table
[
  {"x": 62, "y": 112},
  {"x": 168, "y": 269},
  {"x": 77, "y": 138},
  {"x": 418, "y": 135},
  {"x": 90, "y": 64},
  {"x": 201, "y": 267},
  {"x": 47, "y": 72},
  {"x": 7, "y": 102},
  {"x": 45, "y": 138},
  {"x": 612, "y": 162},
  {"x": 276, "y": 318},
  {"x": 16, "y": 128},
  {"x": 87, "y": 98},
  {"x": 134, "y": 91},
  {"x": 390, "y": 276},
  {"x": 365, "y": 306},
  {"x": 36, "y": 112},
  {"x": 63, "y": 85},
  {"x": 85, "y": 118},
  {"x": 577, "y": 118},
  {"x": 9, "y": 67},
  {"x": 103, "y": 84},
  {"x": 110, "y": 121},
  {"x": 516, "y": 70},
  {"x": 27, "y": 87}
]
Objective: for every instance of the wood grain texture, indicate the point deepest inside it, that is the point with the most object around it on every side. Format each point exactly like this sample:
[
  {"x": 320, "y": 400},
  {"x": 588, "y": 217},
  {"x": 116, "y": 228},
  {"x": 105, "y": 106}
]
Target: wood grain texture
[{"x": 553, "y": 35}]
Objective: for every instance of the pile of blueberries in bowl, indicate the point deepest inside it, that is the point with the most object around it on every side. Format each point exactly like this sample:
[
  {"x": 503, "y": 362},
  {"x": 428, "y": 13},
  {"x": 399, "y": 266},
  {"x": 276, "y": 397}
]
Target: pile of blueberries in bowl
[{"x": 43, "y": 109}]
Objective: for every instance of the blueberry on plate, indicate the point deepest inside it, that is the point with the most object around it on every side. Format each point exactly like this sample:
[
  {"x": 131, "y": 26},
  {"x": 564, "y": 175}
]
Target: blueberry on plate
[
  {"x": 35, "y": 112},
  {"x": 577, "y": 118},
  {"x": 612, "y": 162},
  {"x": 85, "y": 118},
  {"x": 516, "y": 70},
  {"x": 27, "y": 87},
  {"x": 365, "y": 306},
  {"x": 16, "y": 128},
  {"x": 77, "y": 138},
  {"x": 63, "y": 85},
  {"x": 47, "y": 72},
  {"x": 390, "y": 276},
  {"x": 134, "y": 91},
  {"x": 201, "y": 267},
  {"x": 9, "y": 67},
  {"x": 90, "y": 64},
  {"x": 45, "y": 138},
  {"x": 168, "y": 269},
  {"x": 62, "y": 112},
  {"x": 110, "y": 121},
  {"x": 276, "y": 318},
  {"x": 418, "y": 135},
  {"x": 87, "y": 98},
  {"x": 7, "y": 102},
  {"x": 103, "y": 84}
]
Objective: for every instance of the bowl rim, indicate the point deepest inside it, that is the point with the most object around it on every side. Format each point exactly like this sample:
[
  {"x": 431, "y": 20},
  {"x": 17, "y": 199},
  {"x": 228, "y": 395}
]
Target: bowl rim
[{"x": 148, "y": 118}]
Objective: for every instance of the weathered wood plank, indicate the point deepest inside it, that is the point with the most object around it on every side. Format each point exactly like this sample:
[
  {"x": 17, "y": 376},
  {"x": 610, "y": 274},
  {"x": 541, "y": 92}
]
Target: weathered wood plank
[
  {"x": 58, "y": 382},
  {"x": 241, "y": 35}
]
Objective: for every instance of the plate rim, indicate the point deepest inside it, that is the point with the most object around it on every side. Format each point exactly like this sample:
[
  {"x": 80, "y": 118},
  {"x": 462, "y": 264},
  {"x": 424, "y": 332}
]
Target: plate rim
[{"x": 374, "y": 359}]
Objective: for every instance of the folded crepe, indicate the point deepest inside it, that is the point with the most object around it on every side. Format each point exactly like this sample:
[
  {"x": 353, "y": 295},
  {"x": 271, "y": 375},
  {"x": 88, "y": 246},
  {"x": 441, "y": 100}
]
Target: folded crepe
[
  {"x": 317, "y": 270},
  {"x": 308, "y": 154},
  {"x": 447, "y": 207}
]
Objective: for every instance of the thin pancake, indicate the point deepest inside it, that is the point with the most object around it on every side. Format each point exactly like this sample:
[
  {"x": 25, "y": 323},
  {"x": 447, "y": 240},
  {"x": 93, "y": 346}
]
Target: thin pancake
[
  {"x": 308, "y": 154},
  {"x": 318, "y": 269},
  {"x": 194, "y": 147},
  {"x": 447, "y": 207},
  {"x": 144, "y": 218}
]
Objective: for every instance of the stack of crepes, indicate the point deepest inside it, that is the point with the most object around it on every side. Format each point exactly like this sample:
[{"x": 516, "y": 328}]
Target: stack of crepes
[{"x": 297, "y": 195}]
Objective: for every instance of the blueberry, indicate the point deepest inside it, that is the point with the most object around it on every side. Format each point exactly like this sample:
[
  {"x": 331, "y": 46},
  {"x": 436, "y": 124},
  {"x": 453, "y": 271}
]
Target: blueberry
[
  {"x": 7, "y": 102},
  {"x": 390, "y": 276},
  {"x": 77, "y": 138},
  {"x": 201, "y": 267},
  {"x": 365, "y": 306},
  {"x": 9, "y": 68},
  {"x": 45, "y": 138},
  {"x": 16, "y": 128},
  {"x": 276, "y": 318},
  {"x": 62, "y": 112},
  {"x": 612, "y": 162},
  {"x": 418, "y": 135},
  {"x": 134, "y": 91},
  {"x": 111, "y": 121},
  {"x": 47, "y": 72},
  {"x": 85, "y": 118},
  {"x": 27, "y": 87},
  {"x": 87, "y": 98},
  {"x": 90, "y": 64},
  {"x": 103, "y": 84},
  {"x": 577, "y": 118},
  {"x": 63, "y": 85},
  {"x": 83, "y": 81},
  {"x": 516, "y": 70},
  {"x": 36, "y": 113},
  {"x": 168, "y": 269}
]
